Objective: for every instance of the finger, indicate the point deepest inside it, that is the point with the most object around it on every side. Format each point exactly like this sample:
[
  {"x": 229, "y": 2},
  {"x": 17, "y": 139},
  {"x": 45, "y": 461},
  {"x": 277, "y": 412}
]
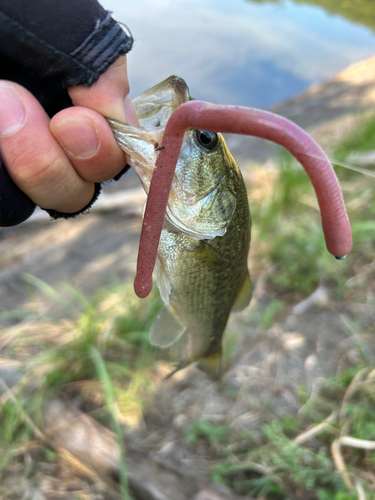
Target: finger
[
  {"x": 34, "y": 159},
  {"x": 107, "y": 95},
  {"x": 89, "y": 143}
]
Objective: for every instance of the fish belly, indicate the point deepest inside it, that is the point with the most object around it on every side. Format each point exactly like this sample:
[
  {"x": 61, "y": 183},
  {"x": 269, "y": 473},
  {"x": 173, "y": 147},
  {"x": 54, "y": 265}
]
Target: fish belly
[{"x": 203, "y": 284}]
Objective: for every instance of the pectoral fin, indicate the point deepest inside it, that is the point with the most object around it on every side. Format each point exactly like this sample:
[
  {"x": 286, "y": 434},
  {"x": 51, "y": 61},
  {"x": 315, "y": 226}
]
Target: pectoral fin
[
  {"x": 244, "y": 295},
  {"x": 167, "y": 329},
  {"x": 162, "y": 281}
]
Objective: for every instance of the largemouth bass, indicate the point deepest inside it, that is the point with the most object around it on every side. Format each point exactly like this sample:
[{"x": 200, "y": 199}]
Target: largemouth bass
[{"x": 201, "y": 267}]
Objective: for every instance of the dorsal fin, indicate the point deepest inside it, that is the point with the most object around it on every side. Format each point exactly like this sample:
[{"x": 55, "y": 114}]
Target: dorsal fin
[
  {"x": 244, "y": 295},
  {"x": 167, "y": 329}
]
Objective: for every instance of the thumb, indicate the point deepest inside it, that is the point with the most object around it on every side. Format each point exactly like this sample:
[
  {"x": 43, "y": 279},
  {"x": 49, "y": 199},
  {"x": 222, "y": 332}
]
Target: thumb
[{"x": 109, "y": 96}]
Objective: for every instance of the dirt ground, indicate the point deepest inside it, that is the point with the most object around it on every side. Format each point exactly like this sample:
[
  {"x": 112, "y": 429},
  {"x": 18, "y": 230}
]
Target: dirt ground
[{"x": 101, "y": 247}]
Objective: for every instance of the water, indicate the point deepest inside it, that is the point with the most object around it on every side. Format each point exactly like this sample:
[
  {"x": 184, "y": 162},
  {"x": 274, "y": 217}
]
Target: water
[{"x": 235, "y": 51}]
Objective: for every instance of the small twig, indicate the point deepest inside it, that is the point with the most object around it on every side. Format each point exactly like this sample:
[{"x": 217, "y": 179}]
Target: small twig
[
  {"x": 262, "y": 469},
  {"x": 31, "y": 445},
  {"x": 360, "y": 491},
  {"x": 354, "y": 385},
  {"x": 266, "y": 471},
  {"x": 357, "y": 380},
  {"x": 317, "y": 429},
  {"x": 340, "y": 464},
  {"x": 363, "y": 444}
]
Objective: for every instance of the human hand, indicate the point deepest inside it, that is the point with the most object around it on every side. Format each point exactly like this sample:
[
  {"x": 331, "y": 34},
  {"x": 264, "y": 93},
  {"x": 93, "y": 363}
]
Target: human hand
[{"x": 57, "y": 162}]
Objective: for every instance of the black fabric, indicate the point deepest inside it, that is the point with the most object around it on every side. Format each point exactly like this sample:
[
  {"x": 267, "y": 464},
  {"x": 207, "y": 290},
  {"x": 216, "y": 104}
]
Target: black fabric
[
  {"x": 123, "y": 171},
  {"x": 61, "y": 24},
  {"x": 44, "y": 61},
  {"x": 47, "y": 46},
  {"x": 15, "y": 206}
]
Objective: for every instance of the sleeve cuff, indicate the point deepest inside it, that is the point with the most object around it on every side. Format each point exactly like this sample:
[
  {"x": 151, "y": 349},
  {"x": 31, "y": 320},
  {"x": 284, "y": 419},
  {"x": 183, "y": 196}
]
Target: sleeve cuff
[
  {"x": 102, "y": 48},
  {"x": 83, "y": 66},
  {"x": 54, "y": 214}
]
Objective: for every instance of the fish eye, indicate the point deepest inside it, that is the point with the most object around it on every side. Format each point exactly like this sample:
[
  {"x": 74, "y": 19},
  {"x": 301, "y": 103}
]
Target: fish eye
[{"x": 208, "y": 140}]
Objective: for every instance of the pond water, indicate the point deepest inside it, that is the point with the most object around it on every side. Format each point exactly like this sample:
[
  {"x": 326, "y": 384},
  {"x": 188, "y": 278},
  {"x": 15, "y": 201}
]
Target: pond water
[{"x": 237, "y": 51}]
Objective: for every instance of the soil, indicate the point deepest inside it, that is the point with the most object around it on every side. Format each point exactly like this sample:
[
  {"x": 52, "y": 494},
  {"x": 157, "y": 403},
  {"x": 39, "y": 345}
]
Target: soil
[{"x": 100, "y": 248}]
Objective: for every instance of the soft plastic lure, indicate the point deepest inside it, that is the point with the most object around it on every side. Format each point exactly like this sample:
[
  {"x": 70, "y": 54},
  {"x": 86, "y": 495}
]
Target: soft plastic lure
[{"x": 245, "y": 121}]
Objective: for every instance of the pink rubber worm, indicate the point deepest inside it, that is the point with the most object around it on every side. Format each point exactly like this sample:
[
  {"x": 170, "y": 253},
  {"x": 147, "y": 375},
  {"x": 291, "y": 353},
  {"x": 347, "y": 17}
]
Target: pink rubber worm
[{"x": 247, "y": 121}]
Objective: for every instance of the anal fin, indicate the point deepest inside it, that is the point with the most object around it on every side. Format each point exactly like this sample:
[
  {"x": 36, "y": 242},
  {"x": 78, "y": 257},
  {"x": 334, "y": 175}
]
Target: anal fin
[
  {"x": 244, "y": 295},
  {"x": 167, "y": 329},
  {"x": 211, "y": 365}
]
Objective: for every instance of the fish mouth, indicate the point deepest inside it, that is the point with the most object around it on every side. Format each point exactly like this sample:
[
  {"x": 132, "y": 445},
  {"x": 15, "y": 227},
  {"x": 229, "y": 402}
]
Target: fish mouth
[{"x": 155, "y": 106}]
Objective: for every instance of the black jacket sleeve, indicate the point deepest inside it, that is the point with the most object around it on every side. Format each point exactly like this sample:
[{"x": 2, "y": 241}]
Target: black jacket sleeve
[{"x": 48, "y": 46}]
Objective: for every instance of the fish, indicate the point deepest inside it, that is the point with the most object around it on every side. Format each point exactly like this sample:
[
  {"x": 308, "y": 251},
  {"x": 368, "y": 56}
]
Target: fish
[{"x": 201, "y": 269}]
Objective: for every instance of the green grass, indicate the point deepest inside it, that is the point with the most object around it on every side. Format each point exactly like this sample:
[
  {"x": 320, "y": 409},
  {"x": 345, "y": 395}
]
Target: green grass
[
  {"x": 204, "y": 429},
  {"x": 275, "y": 466},
  {"x": 267, "y": 317},
  {"x": 114, "y": 323},
  {"x": 291, "y": 233},
  {"x": 110, "y": 403},
  {"x": 361, "y": 139},
  {"x": 288, "y": 229}
]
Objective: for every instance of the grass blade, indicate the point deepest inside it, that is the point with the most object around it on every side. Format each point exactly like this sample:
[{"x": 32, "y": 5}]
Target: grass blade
[{"x": 110, "y": 401}]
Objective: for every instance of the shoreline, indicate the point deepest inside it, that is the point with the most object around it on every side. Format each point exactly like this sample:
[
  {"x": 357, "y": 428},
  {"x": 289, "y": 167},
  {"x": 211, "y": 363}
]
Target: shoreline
[{"x": 328, "y": 111}]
